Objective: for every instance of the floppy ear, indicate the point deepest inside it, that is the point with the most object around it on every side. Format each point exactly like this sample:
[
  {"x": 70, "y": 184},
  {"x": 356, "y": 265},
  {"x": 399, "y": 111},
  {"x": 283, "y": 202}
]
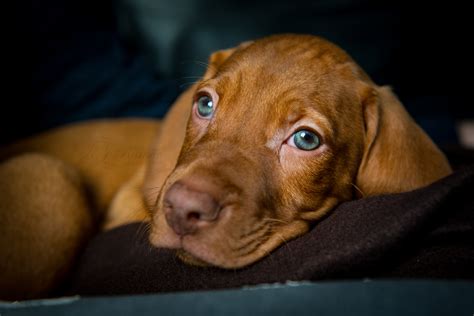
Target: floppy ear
[{"x": 398, "y": 155}]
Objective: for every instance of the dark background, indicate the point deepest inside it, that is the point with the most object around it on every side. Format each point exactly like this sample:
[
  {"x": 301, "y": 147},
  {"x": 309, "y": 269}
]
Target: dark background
[{"x": 92, "y": 59}]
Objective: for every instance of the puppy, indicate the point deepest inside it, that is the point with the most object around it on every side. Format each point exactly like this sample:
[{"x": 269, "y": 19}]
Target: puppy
[
  {"x": 281, "y": 130},
  {"x": 275, "y": 135}
]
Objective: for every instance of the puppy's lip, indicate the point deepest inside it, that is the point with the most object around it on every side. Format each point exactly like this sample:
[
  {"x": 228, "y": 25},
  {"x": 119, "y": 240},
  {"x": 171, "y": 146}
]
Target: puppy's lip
[
  {"x": 198, "y": 251},
  {"x": 231, "y": 260},
  {"x": 207, "y": 257},
  {"x": 195, "y": 255},
  {"x": 164, "y": 240}
]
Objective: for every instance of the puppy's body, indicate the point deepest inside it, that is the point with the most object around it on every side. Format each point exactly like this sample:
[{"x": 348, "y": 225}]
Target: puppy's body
[
  {"x": 227, "y": 179},
  {"x": 107, "y": 153},
  {"x": 55, "y": 188}
]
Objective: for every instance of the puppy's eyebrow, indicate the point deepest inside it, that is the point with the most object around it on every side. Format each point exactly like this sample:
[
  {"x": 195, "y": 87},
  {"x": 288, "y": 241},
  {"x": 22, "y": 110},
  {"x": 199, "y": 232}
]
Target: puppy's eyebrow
[
  {"x": 307, "y": 117},
  {"x": 309, "y": 114},
  {"x": 320, "y": 119}
]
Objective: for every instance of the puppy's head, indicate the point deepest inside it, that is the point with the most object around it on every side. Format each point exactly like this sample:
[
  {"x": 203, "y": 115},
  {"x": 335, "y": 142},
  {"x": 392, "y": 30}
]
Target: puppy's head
[{"x": 280, "y": 131}]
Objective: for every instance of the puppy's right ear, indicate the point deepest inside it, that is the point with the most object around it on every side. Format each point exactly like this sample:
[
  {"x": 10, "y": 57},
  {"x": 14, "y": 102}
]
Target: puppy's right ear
[
  {"x": 219, "y": 57},
  {"x": 399, "y": 156}
]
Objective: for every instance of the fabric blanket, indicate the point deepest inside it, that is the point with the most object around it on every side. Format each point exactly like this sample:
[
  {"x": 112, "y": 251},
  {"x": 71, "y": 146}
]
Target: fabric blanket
[{"x": 427, "y": 233}]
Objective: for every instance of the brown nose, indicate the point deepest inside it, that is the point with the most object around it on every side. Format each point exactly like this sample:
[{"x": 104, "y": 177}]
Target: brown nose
[{"x": 187, "y": 209}]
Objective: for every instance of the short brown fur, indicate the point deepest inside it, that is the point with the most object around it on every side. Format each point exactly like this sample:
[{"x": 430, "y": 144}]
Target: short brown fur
[{"x": 268, "y": 191}]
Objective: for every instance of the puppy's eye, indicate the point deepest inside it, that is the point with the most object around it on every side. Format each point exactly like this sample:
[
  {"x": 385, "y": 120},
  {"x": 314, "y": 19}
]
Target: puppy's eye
[
  {"x": 305, "y": 140},
  {"x": 205, "y": 106}
]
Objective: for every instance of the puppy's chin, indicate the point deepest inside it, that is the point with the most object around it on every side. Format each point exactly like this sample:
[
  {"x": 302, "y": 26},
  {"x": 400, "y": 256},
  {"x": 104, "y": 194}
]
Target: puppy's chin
[
  {"x": 188, "y": 258},
  {"x": 162, "y": 236},
  {"x": 196, "y": 252}
]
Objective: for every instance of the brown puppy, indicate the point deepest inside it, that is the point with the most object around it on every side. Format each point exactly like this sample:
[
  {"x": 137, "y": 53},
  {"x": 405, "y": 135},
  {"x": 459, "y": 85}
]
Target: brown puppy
[{"x": 277, "y": 133}]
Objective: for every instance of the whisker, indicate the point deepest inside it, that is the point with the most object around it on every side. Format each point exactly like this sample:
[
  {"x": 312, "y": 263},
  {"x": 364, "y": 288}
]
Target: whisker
[
  {"x": 152, "y": 194},
  {"x": 284, "y": 241},
  {"x": 197, "y": 62},
  {"x": 143, "y": 228},
  {"x": 152, "y": 188},
  {"x": 269, "y": 219},
  {"x": 191, "y": 77},
  {"x": 267, "y": 254},
  {"x": 186, "y": 84},
  {"x": 358, "y": 189}
]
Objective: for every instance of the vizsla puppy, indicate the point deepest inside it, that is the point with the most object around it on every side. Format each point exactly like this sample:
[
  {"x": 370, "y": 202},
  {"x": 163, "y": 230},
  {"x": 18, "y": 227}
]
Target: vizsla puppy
[{"x": 275, "y": 135}]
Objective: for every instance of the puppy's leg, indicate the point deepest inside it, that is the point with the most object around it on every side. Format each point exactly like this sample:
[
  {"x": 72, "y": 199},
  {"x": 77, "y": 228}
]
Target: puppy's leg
[
  {"x": 44, "y": 220},
  {"x": 128, "y": 204}
]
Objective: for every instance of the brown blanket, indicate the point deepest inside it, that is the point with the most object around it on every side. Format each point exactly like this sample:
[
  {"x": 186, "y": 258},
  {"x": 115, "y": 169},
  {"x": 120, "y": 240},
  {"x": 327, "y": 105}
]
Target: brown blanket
[{"x": 427, "y": 233}]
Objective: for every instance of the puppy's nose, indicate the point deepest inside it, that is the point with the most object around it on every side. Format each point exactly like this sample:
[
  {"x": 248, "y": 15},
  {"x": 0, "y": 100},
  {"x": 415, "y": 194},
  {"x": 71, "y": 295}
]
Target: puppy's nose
[{"x": 187, "y": 209}]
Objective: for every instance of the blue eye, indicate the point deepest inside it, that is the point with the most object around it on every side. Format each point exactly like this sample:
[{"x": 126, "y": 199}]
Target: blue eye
[
  {"x": 205, "y": 106},
  {"x": 306, "y": 140}
]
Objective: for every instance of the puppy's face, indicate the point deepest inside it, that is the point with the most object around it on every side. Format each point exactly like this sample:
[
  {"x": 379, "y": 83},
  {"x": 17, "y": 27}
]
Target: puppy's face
[{"x": 273, "y": 142}]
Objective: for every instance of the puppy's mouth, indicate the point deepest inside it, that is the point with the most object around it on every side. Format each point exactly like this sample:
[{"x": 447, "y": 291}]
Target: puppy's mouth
[
  {"x": 206, "y": 250},
  {"x": 198, "y": 254},
  {"x": 214, "y": 248}
]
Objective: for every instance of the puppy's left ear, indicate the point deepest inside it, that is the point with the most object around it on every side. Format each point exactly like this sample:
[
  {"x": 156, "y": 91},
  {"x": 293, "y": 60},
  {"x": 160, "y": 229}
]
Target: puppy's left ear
[
  {"x": 398, "y": 155},
  {"x": 219, "y": 57}
]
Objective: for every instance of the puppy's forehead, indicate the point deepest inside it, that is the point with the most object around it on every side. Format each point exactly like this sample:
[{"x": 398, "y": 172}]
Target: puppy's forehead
[
  {"x": 279, "y": 67},
  {"x": 289, "y": 54},
  {"x": 279, "y": 78}
]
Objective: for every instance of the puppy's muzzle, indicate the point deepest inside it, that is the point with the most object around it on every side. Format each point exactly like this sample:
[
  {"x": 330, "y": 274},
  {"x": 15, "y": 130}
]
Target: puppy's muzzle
[{"x": 188, "y": 209}]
